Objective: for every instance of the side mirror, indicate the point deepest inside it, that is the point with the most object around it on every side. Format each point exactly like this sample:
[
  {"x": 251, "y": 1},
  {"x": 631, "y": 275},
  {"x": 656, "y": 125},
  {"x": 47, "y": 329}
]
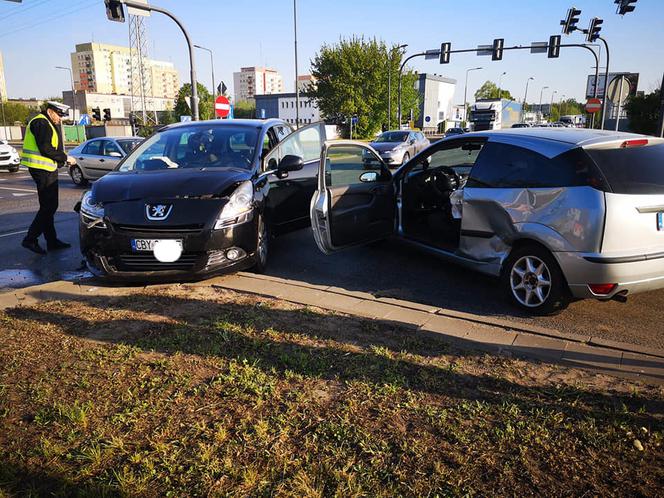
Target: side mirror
[
  {"x": 290, "y": 163},
  {"x": 369, "y": 176},
  {"x": 77, "y": 207},
  {"x": 114, "y": 154}
]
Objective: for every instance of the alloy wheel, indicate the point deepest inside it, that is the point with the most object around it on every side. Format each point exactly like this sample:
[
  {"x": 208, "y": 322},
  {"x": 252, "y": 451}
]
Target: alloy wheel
[
  {"x": 530, "y": 280},
  {"x": 77, "y": 175},
  {"x": 262, "y": 241}
]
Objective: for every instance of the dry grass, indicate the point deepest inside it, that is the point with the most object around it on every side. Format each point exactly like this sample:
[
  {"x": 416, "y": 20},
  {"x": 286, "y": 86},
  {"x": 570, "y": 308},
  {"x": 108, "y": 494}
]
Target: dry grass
[{"x": 191, "y": 391}]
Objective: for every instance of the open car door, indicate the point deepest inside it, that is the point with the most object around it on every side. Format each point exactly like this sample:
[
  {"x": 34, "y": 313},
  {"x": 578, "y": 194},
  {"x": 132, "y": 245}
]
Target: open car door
[{"x": 355, "y": 201}]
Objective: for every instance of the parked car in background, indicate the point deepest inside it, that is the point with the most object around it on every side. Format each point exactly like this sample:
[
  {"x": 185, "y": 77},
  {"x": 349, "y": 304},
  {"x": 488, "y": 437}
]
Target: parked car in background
[
  {"x": 520, "y": 125},
  {"x": 553, "y": 212},
  {"x": 454, "y": 131},
  {"x": 9, "y": 158},
  {"x": 398, "y": 146},
  {"x": 98, "y": 156}
]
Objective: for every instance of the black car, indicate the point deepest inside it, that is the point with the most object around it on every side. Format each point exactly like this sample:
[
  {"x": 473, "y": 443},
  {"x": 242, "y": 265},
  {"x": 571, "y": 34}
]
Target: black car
[
  {"x": 454, "y": 131},
  {"x": 200, "y": 198}
]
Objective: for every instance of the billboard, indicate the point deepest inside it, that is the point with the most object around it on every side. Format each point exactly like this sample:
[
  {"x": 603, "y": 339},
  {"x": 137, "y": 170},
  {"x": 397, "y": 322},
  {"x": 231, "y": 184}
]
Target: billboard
[{"x": 633, "y": 79}]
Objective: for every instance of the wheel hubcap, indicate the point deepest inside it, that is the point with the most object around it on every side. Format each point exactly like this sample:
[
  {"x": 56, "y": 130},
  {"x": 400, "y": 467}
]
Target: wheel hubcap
[
  {"x": 530, "y": 280},
  {"x": 76, "y": 174},
  {"x": 262, "y": 242}
]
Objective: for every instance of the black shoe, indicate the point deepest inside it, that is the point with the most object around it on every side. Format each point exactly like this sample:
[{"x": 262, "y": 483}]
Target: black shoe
[
  {"x": 57, "y": 244},
  {"x": 33, "y": 245}
]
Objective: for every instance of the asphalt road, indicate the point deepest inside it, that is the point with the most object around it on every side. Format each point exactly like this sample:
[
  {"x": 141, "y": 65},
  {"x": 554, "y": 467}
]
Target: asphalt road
[{"x": 387, "y": 269}]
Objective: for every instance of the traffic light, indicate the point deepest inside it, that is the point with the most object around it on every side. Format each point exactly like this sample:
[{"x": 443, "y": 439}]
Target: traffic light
[
  {"x": 570, "y": 22},
  {"x": 498, "y": 45},
  {"x": 593, "y": 30},
  {"x": 625, "y": 6},
  {"x": 96, "y": 114},
  {"x": 114, "y": 10},
  {"x": 445, "y": 52},
  {"x": 107, "y": 114},
  {"x": 554, "y": 46}
]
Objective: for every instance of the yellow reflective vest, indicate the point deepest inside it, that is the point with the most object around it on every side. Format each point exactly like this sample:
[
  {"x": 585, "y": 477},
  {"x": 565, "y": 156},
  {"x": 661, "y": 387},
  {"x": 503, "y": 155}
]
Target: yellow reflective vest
[{"x": 30, "y": 156}]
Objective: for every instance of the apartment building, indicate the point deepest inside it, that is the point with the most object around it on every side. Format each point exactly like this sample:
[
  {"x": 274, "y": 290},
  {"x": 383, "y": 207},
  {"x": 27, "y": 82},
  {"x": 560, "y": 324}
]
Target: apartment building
[{"x": 252, "y": 81}]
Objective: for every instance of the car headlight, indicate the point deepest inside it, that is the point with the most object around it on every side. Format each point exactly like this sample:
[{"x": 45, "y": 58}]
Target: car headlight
[
  {"x": 91, "y": 213},
  {"x": 390, "y": 152},
  {"x": 239, "y": 206}
]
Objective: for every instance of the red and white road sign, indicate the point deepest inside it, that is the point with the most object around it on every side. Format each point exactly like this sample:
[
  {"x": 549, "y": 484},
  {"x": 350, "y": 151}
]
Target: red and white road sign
[
  {"x": 222, "y": 107},
  {"x": 593, "y": 105}
]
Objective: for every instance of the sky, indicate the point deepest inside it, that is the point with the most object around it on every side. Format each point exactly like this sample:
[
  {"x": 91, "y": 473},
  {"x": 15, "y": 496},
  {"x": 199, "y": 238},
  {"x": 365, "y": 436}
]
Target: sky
[{"x": 40, "y": 34}]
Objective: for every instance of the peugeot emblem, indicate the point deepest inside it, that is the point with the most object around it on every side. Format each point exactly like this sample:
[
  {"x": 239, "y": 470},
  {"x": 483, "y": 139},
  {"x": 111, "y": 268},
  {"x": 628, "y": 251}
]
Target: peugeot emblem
[{"x": 158, "y": 212}]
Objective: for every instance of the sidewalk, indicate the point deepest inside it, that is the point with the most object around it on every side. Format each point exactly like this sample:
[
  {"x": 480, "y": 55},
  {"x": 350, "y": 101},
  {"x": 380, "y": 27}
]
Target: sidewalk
[{"x": 463, "y": 329}]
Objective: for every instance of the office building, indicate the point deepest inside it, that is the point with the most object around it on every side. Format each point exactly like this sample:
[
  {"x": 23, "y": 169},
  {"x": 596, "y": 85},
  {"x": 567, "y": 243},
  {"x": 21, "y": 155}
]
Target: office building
[
  {"x": 252, "y": 81},
  {"x": 282, "y": 106}
]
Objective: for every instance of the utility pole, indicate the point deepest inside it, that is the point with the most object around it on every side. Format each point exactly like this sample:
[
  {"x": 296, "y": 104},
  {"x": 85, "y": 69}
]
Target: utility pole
[
  {"x": 389, "y": 85},
  {"x": 606, "y": 83},
  {"x": 551, "y": 106},
  {"x": 73, "y": 99},
  {"x": 297, "y": 88},
  {"x": 541, "y": 114},
  {"x": 525, "y": 96},
  {"x": 214, "y": 90},
  {"x": 500, "y": 82},
  {"x": 465, "y": 94}
]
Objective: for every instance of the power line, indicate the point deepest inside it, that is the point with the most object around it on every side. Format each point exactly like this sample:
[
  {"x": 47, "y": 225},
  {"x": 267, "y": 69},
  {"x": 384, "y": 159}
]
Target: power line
[
  {"x": 22, "y": 9},
  {"x": 76, "y": 8}
]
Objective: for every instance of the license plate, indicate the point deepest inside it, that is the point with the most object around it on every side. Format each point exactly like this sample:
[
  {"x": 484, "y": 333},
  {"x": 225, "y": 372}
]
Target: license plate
[
  {"x": 660, "y": 222},
  {"x": 146, "y": 245}
]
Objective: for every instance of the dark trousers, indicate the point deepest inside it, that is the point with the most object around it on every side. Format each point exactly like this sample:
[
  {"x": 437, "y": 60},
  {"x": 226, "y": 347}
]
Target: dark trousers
[{"x": 47, "y": 190}]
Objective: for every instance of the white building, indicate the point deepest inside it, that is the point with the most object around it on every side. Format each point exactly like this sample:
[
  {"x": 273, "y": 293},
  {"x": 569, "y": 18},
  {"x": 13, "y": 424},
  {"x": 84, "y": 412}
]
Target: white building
[
  {"x": 106, "y": 69},
  {"x": 120, "y": 105},
  {"x": 283, "y": 106},
  {"x": 436, "y": 93},
  {"x": 252, "y": 81}
]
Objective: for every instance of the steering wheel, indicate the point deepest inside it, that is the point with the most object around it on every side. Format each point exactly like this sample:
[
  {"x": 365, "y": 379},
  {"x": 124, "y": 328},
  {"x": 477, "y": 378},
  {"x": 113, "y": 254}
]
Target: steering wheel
[{"x": 452, "y": 179}]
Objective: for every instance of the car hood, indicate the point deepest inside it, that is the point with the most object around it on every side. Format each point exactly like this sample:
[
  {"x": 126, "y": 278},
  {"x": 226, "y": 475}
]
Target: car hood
[
  {"x": 385, "y": 146},
  {"x": 153, "y": 185}
]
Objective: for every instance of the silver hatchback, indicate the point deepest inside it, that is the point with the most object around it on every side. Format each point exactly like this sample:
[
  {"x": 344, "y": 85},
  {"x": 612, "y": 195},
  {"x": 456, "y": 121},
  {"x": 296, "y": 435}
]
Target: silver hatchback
[
  {"x": 555, "y": 213},
  {"x": 98, "y": 156}
]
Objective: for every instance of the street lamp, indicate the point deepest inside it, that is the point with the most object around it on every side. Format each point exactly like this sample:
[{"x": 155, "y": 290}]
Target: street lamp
[
  {"x": 500, "y": 82},
  {"x": 214, "y": 92},
  {"x": 540, "y": 104},
  {"x": 551, "y": 106},
  {"x": 561, "y": 105},
  {"x": 389, "y": 86},
  {"x": 465, "y": 94},
  {"x": 73, "y": 97},
  {"x": 525, "y": 96}
]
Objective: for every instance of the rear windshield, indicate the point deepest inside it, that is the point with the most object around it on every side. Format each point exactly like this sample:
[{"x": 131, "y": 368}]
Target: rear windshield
[{"x": 633, "y": 170}]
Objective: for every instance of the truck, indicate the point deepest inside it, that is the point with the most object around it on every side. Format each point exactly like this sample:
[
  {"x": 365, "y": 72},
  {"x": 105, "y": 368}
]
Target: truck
[
  {"x": 495, "y": 114},
  {"x": 575, "y": 120}
]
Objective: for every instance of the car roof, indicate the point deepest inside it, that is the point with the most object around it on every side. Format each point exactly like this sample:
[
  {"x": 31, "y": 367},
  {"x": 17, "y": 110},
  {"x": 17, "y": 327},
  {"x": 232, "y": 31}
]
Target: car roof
[
  {"x": 258, "y": 123},
  {"x": 573, "y": 137}
]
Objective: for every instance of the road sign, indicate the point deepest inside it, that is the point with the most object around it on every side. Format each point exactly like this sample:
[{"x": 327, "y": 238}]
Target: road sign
[
  {"x": 539, "y": 47},
  {"x": 632, "y": 77},
  {"x": 432, "y": 54},
  {"x": 85, "y": 120},
  {"x": 618, "y": 90},
  {"x": 593, "y": 105},
  {"x": 354, "y": 120},
  {"x": 485, "y": 50},
  {"x": 222, "y": 107}
]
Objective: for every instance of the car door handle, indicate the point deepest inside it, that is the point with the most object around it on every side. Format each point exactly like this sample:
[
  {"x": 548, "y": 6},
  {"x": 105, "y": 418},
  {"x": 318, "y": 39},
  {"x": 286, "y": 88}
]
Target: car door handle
[
  {"x": 81, "y": 158},
  {"x": 378, "y": 190},
  {"x": 101, "y": 160}
]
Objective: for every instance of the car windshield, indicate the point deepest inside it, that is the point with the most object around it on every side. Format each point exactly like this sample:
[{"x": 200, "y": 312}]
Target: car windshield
[
  {"x": 129, "y": 145},
  {"x": 392, "y": 136},
  {"x": 195, "y": 146},
  {"x": 632, "y": 170}
]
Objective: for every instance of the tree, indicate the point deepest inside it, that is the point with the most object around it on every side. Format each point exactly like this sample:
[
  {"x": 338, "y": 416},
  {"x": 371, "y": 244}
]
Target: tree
[
  {"x": 643, "y": 112},
  {"x": 205, "y": 102},
  {"x": 18, "y": 113},
  {"x": 244, "y": 109},
  {"x": 489, "y": 90},
  {"x": 352, "y": 80}
]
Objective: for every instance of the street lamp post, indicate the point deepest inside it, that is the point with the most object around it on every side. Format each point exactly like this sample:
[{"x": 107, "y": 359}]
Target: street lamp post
[
  {"x": 500, "y": 87},
  {"x": 389, "y": 85},
  {"x": 465, "y": 94},
  {"x": 540, "y": 104},
  {"x": 525, "y": 96},
  {"x": 214, "y": 91},
  {"x": 551, "y": 105},
  {"x": 561, "y": 105},
  {"x": 73, "y": 97}
]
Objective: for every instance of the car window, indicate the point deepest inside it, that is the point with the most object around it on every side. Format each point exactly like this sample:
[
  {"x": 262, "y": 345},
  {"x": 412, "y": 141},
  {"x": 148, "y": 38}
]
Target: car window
[
  {"x": 305, "y": 143},
  {"x": 460, "y": 157},
  {"x": 110, "y": 146},
  {"x": 282, "y": 132},
  {"x": 93, "y": 148},
  {"x": 509, "y": 166},
  {"x": 632, "y": 170},
  {"x": 345, "y": 164},
  {"x": 129, "y": 145},
  {"x": 196, "y": 146}
]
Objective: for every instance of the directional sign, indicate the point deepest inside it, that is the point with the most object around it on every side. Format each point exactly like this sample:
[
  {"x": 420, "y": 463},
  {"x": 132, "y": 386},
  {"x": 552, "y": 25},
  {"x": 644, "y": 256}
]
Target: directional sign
[
  {"x": 222, "y": 106},
  {"x": 539, "y": 47},
  {"x": 432, "y": 54},
  {"x": 593, "y": 105},
  {"x": 485, "y": 50}
]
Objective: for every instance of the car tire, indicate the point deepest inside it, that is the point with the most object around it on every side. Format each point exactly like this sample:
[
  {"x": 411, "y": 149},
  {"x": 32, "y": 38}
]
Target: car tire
[
  {"x": 533, "y": 281},
  {"x": 14, "y": 170},
  {"x": 262, "y": 245},
  {"x": 77, "y": 177},
  {"x": 406, "y": 158}
]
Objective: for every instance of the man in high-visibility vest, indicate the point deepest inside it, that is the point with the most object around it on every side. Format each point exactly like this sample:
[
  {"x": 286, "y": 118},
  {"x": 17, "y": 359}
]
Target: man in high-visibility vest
[{"x": 43, "y": 153}]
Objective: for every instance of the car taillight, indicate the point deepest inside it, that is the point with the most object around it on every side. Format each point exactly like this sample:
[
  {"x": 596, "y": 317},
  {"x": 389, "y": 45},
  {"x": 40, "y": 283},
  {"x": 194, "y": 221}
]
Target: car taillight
[
  {"x": 637, "y": 142},
  {"x": 602, "y": 289}
]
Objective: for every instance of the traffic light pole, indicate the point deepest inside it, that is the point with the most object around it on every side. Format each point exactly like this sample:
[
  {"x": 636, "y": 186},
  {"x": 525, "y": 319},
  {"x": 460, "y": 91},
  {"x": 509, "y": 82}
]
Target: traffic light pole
[
  {"x": 192, "y": 64},
  {"x": 516, "y": 47},
  {"x": 606, "y": 83}
]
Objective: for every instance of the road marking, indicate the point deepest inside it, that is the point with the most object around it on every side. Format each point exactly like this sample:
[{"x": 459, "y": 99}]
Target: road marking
[
  {"x": 13, "y": 233},
  {"x": 19, "y": 195},
  {"x": 19, "y": 189}
]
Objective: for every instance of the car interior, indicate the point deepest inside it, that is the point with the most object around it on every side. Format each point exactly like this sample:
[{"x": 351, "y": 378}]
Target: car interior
[{"x": 430, "y": 193}]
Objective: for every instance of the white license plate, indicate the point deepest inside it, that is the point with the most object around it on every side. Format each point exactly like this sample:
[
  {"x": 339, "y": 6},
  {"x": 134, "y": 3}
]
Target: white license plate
[{"x": 146, "y": 245}]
